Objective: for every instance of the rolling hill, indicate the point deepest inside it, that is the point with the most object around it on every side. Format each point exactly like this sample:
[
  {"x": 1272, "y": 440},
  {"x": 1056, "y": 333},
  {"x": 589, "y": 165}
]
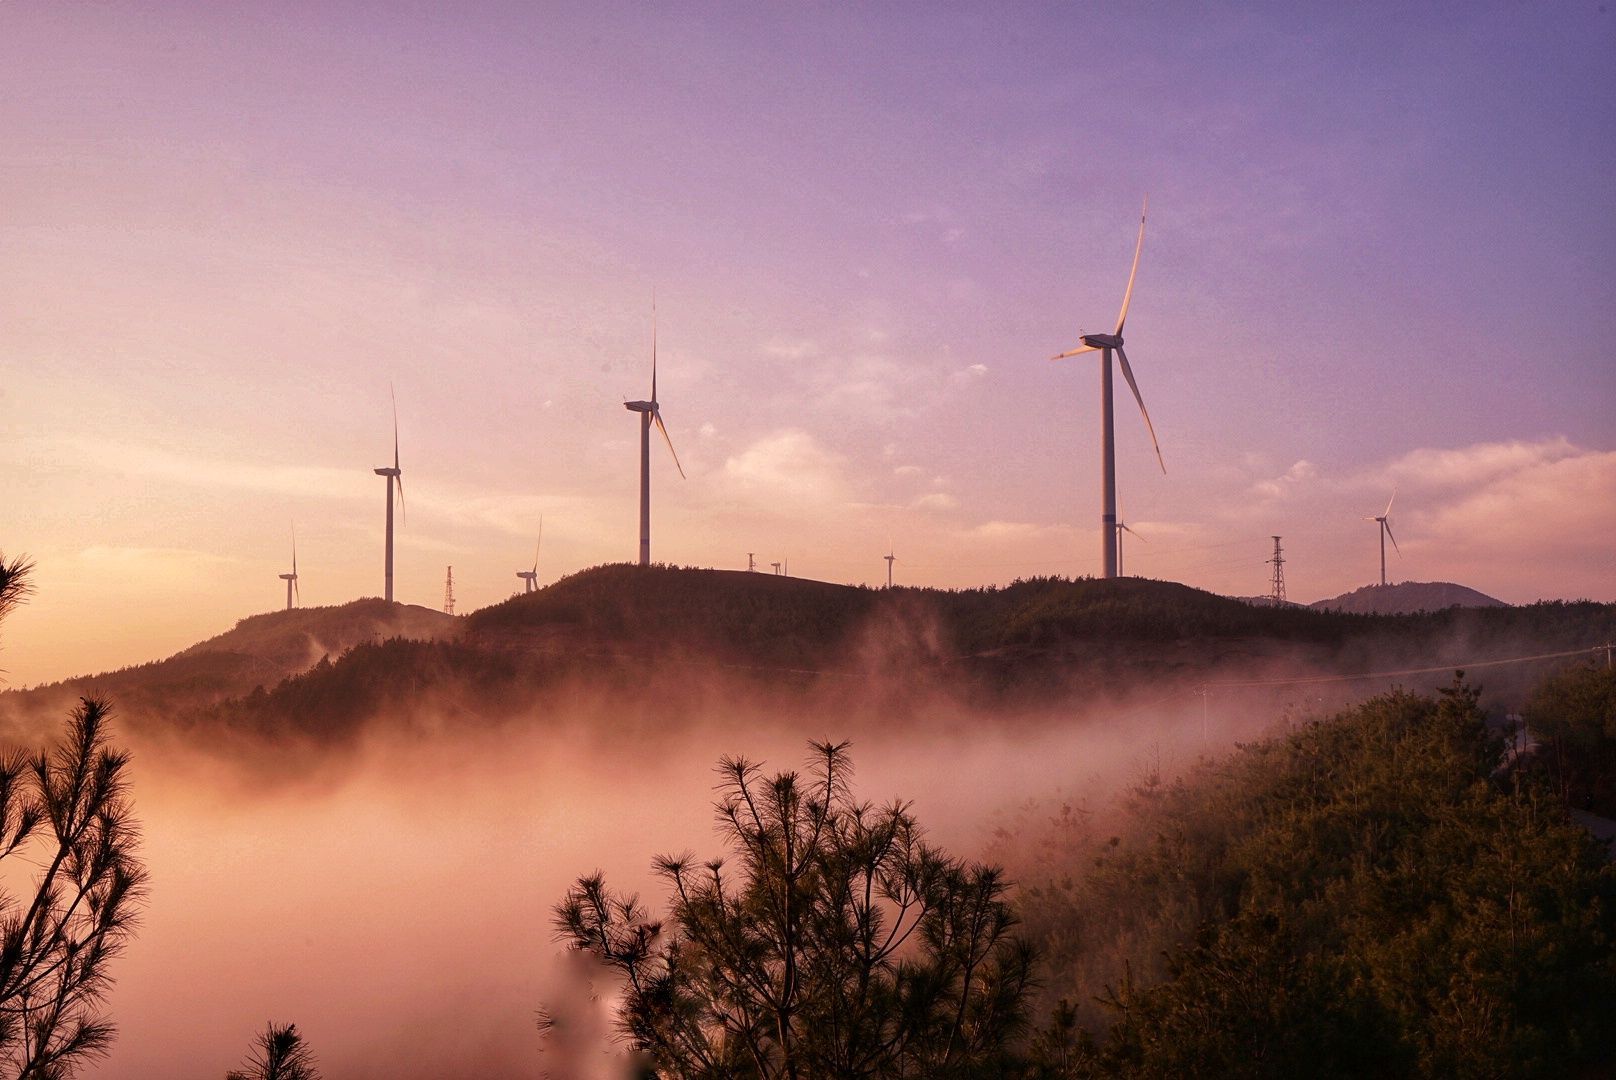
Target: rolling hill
[
  {"x": 1407, "y": 598},
  {"x": 259, "y": 650},
  {"x": 638, "y": 646}
]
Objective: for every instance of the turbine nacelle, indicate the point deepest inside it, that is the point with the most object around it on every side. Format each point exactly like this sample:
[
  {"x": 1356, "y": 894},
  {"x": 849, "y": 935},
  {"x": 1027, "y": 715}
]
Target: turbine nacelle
[
  {"x": 388, "y": 472},
  {"x": 1102, "y": 341},
  {"x": 640, "y": 406}
]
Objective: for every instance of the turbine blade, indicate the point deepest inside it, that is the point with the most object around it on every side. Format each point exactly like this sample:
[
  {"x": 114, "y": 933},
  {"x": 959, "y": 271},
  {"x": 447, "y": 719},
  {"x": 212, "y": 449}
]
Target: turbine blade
[
  {"x": 297, "y": 591},
  {"x": 1127, "y": 296},
  {"x": 1389, "y": 502},
  {"x": 395, "y": 424},
  {"x": 1076, "y": 351},
  {"x": 656, "y": 414},
  {"x": 402, "y": 513},
  {"x": 1388, "y": 527},
  {"x": 1127, "y": 373},
  {"x": 538, "y": 545},
  {"x": 1125, "y": 528},
  {"x": 653, "y": 346}
]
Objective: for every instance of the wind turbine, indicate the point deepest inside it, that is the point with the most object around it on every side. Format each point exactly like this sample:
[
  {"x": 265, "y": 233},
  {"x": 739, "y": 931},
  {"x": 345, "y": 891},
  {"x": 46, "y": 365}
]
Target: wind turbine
[
  {"x": 393, "y": 474},
  {"x": 1122, "y": 527},
  {"x": 650, "y": 413},
  {"x": 890, "y": 558},
  {"x": 530, "y": 578},
  {"x": 291, "y": 579},
  {"x": 1385, "y": 531},
  {"x": 1105, "y": 344}
]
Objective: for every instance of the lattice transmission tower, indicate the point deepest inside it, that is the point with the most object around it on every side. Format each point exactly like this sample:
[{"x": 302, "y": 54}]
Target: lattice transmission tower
[
  {"x": 1278, "y": 561},
  {"x": 448, "y": 593}
]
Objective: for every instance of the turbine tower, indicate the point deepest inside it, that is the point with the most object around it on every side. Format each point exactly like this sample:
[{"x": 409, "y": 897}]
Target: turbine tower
[
  {"x": 1385, "y": 531},
  {"x": 530, "y": 578},
  {"x": 1105, "y": 344},
  {"x": 393, "y": 474},
  {"x": 650, "y": 413},
  {"x": 291, "y": 579}
]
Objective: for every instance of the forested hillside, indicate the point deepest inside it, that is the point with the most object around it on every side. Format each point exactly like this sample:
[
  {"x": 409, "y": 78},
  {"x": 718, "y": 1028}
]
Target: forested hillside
[{"x": 624, "y": 638}]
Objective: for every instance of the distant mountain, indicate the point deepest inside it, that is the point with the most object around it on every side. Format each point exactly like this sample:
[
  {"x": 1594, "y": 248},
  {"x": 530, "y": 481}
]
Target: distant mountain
[
  {"x": 1407, "y": 598},
  {"x": 259, "y": 651}
]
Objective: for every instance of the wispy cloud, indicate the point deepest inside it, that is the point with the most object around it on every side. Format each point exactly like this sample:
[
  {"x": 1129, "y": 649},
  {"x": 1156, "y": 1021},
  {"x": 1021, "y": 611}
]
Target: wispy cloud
[
  {"x": 935, "y": 501},
  {"x": 786, "y": 471}
]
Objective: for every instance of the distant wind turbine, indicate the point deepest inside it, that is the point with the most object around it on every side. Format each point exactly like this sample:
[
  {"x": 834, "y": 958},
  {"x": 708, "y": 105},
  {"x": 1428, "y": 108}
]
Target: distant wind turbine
[
  {"x": 393, "y": 474},
  {"x": 650, "y": 412},
  {"x": 1122, "y": 527},
  {"x": 1106, "y": 344},
  {"x": 530, "y": 578},
  {"x": 890, "y": 558},
  {"x": 1385, "y": 531},
  {"x": 291, "y": 579}
]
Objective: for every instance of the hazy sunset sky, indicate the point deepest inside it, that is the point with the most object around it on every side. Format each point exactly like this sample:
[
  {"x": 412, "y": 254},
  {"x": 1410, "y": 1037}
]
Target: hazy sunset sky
[{"x": 1381, "y": 253}]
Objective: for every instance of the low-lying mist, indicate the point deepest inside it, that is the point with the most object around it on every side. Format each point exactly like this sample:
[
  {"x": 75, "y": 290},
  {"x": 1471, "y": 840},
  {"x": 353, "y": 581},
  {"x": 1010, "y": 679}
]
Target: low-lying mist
[
  {"x": 384, "y": 876},
  {"x": 393, "y": 899}
]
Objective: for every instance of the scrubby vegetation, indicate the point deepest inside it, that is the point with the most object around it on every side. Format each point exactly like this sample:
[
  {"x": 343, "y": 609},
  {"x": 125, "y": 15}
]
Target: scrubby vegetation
[
  {"x": 1573, "y": 713},
  {"x": 1382, "y": 893}
]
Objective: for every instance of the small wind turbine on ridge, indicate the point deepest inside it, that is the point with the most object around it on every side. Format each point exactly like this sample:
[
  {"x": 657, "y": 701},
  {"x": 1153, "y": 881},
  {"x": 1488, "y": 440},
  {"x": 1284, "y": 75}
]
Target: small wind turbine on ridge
[
  {"x": 650, "y": 412},
  {"x": 1106, "y": 344},
  {"x": 1385, "y": 531},
  {"x": 1123, "y": 527},
  {"x": 530, "y": 578},
  {"x": 393, "y": 474},
  {"x": 291, "y": 579},
  {"x": 890, "y": 558}
]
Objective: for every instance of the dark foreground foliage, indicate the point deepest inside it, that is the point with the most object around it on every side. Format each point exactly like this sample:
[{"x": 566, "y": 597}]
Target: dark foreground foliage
[
  {"x": 1369, "y": 896},
  {"x": 839, "y": 944},
  {"x": 1573, "y": 714},
  {"x": 278, "y": 1053},
  {"x": 68, "y": 829}
]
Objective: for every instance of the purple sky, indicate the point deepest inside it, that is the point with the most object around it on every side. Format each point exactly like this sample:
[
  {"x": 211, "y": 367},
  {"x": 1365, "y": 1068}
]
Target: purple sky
[{"x": 1380, "y": 254}]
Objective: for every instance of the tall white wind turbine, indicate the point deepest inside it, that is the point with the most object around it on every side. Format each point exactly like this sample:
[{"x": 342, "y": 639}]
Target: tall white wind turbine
[
  {"x": 530, "y": 578},
  {"x": 650, "y": 412},
  {"x": 1385, "y": 531},
  {"x": 291, "y": 579},
  {"x": 1105, "y": 344},
  {"x": 394, "y": 474}
]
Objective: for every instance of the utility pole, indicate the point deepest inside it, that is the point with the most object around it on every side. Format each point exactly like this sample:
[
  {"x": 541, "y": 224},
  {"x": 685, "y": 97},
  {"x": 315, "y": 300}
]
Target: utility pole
[
  {"x": 448, "y": 593},
  {"x": 1278, "y": 593}
]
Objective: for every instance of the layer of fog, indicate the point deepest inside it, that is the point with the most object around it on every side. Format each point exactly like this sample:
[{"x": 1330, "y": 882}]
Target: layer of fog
[
  {"x": 393, "y": 898},
  {"x": 396, "y": 904}
]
